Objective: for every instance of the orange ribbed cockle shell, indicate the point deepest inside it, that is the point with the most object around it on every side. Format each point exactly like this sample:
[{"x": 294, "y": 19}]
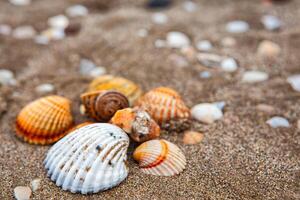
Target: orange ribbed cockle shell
[
  {"x": 164, "y": 104},
  {"x": 45, "y": 120}
]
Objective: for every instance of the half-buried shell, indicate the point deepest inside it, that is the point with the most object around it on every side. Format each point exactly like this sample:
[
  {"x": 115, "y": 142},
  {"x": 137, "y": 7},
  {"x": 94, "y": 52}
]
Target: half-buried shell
[
  {"x": 125, "y": 86},
  {"x": 160, "y": 157},
  {"x": 164, "y": 104},
  {"x": 45, "y": 120},
  {"x": 89, "y": 159},
  {"x": 137, "y": 123},
  {"x": 102, "y": 105}
]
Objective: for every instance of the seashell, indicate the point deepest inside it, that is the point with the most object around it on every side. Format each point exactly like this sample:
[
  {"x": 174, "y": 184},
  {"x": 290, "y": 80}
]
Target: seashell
[
  {"x": 192, "y": 137},
  {"x": 163, "y": 104},
  {"x": 79, "y": 126},
  {"x": 125, "y": 86},
  {"x": 45, "y": 120},
  {"x": 160, "y": 157},
  {"x": 137, "y": 123},
  {"x": 102, "y": 105},
  {"x": 90, "y": 159}
]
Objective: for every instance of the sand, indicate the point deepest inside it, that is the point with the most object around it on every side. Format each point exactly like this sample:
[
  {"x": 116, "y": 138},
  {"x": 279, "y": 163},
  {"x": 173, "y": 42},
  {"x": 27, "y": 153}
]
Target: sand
[{"x": 240, "y": 157}]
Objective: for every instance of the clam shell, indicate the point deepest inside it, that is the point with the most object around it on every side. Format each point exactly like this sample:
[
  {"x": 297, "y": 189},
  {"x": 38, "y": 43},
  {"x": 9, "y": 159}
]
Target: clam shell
[
  {"x": 102, "y": 105},
  {"x": 125, "y": 86},
  {"x": 137, "y": 123},
  {"x": 45, "y": 120},
  {"x": 89, "y": 159},
  {"x": 163, "y": 104},
  {"x": 160, "y": 157}
]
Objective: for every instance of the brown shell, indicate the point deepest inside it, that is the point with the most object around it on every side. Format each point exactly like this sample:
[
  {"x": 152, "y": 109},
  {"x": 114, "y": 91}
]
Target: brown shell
[
  {"x": 137, "y": 123},
  {"x": 45, "y": 120},
  {"x": 164, "y": 104},
  {"x": 102, "y": 105}
]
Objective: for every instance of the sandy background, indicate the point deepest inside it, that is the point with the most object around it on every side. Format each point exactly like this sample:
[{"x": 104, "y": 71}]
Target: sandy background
[{"x": 241, "y": 157}]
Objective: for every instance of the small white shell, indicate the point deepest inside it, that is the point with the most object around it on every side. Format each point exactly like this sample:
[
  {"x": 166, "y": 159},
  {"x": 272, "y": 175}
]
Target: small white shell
[{"x": 89, "y": 159}]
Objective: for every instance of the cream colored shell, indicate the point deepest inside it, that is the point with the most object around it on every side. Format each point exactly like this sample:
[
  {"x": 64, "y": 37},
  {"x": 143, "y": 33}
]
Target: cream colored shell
[{"x": 89, "y": 159}]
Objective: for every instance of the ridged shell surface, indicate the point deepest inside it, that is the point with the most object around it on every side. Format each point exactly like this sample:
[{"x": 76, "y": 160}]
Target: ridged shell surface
[
  {"x": 103, "y": 104},
  {"x": 45, "y": 120},
  {"x": 160, "y": 157},
  {"x": 90, "y": 159},
  {"x": 125, "y": 86},
  {"x": 164, "y": 104}
]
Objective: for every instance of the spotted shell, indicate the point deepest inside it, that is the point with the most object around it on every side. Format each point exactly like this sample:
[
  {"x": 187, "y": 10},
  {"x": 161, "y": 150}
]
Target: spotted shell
[
  {"x": 45, "y": 120},
  {"x": 89, "y": 159},
  {"x": 125, "y": 86},
  {"x": 164, "y": 104},
  {"x": 160, "y": 157},
  {"x": 137, "y": 123},
  {"x": 103, "y": 104}
]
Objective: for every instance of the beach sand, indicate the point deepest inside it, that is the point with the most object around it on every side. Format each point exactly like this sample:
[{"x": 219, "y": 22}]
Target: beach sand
[{"x": 240, "y": 157}]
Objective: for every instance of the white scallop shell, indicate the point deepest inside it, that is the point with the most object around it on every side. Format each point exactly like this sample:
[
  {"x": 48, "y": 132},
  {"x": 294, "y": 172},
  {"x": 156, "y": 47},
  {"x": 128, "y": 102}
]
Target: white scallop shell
[{"x": 89, "y": 159}]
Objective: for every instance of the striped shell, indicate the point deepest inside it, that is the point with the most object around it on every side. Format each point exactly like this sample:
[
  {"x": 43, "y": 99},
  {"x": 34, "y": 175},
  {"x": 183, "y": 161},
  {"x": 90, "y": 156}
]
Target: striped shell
[
  {"x": 45, "y": 120},
  {"x": 125, "y": 86},
  {"x": 137, "y": 123},
  {"x": 160, "y": 157},
  {"x": 89, "y": 159},
  {"x": 102, "y": 105},
  {"x": 164, "y": 104}
]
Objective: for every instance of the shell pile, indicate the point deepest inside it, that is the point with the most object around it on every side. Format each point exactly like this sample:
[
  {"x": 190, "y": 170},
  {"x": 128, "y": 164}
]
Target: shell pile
[
  {"x": 122, "y": 85},
  {"x": 137, "y": 123},
  {"x": 89, "y": 159},
  {"x": 45, "y": 120},
  {"x": 164, "y": 104},
  {"x": 160, "y": 157},
  {"x": 92, "y": 156},
  {"x": 102, "y": 105}
]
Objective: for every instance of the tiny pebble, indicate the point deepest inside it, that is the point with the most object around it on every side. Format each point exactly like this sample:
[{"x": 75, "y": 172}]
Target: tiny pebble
[
  {"x": 204, "y": 45},
  {"x": 271, "y": 22},
  {"x": 160, "y": 43},
  {"x": 77, "y": 11},
  {"x": 192, "y": 137},
  {"x": 24, "y": 32},
  {"x": 45, "y": 88},
  {"x": 5, "y": 29},
  {"x": 205, "y": 74},
  {"x": 72, "y": 29},
  {"x": 20, "y": 2},
  {"x": 237, "y": 27},
  {"x": 53, "y": 34},
  {"x": 294, "y": 81},
  {"x": 265, "y": 108},
  {"x": 22, "y": 193},
  {"x": 142, "y": 32},
  {"x": 97, "y": 71},
  {"x": 229, "y": 65},
  {"x": 158, "y": 3},
  {"x": 189, "y": 52},
  {"x": 35, "y": 184},
  {"x": 177, "y": 40},
  {"x": 228, "y": 42},
  {"x": 7, "y": 77},
  {"x": 268, "y": 49},
  {"x": 206, "y": 113},
  {"x": 254, "y": 76},
  {"x": 58, "y": 21},
  {"x": 190, "y": 6},
  {"x": 209, "y": 60},
  {"x": 276, "y": 122},
  {"x": 86, "y": 66},
  {"x": 159, "y": 18},
  {"x": 40, "y": 39},
  {"x": 298, "y": 124}
]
